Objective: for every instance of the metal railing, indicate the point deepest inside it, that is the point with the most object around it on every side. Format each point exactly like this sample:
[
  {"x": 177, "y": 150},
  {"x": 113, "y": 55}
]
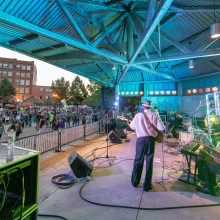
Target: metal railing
[{"x": 56, "y": 139}]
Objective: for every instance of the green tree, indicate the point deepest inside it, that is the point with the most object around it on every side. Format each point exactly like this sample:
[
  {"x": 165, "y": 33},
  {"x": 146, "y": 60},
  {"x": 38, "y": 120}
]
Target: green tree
[
  {"x": 95, "y": 96},
  {"x": 60, "y": 88},
  {"x": 78, "y": 90},
  {"x": 6, "y": 87}
]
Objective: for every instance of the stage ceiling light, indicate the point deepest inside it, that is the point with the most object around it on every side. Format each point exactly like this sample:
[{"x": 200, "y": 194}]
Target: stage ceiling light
[
  {"x": 162, "y": 92},
  {"x": 122, "y": 93},
  {"x": 174, "y": 92},
  {"x": 200, "y": 90},
  {"x": 215, "y": 89},
  {"x": 151, "y": 92},
  {"x": 141, "y": 92},
  {"x": 191, "y": 64},
  {"x": 189, "y": 91},
  {"x": 127, "y": 93},
  {"x": 131, "y": 93},
  {"x": 136, "y": 93},
  {"x": 215, "y": 30},
  {"x": 168, "y": 92},
  {"x": 194, "y": 91},
  {"x": 207, "y": 89},
  {"x": 157, "y": 93}
]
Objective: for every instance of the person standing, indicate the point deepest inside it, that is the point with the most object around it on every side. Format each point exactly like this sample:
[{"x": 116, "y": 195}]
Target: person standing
[
  {"x": 2, "y": 129},
  {"x": 145, "y": 144}
]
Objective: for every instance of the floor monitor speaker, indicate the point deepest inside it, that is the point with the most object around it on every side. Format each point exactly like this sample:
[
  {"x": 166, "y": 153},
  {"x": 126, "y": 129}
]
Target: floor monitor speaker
[
  {"x": 79, "y": 166},
  {"x": 120, "y": 132},
  {"x": 115, "y": 138}
]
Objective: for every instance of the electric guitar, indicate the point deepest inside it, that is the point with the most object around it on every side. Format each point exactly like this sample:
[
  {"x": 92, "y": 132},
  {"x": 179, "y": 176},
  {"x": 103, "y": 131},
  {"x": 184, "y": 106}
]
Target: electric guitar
[{"x": 123, "y": 118}]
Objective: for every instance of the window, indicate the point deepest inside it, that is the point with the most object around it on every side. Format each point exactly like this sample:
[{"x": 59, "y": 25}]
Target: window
[
  {"x": 4, "y": 73},
  {"x": 41, "y": 89},
  {"x": 22, "y": 82},
  {"x": 48, "y": 90},
  {"x": 17, "y": 82},
  {"x": 10, "y": 80},
  {"x": 27, "y": 82},
  {"x": 46, "y": 97},
  {"x": 28, "y": 67},
  {"x": 9, "y": 73},
  {"x": 0, "y": 65},
  {"x": 21, "y": 90},
  {"x": 18, "y": 74},
  {"x": 5, "y": 65},
  {"x": 22, "y": 74},
  {"x": 10, "y": 66},
  {"x": 18, "y": 67},
  {"x": 26, "y": 90},
  {"x": 40, "y": 96},
  {"x": 28, "y": 75},
  {"x": 17, "y": 90},
  {"x": 23, "y": 67}
]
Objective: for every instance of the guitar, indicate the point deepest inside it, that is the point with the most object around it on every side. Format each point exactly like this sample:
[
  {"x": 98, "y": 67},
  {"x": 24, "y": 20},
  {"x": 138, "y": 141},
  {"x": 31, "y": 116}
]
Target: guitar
[{"x": 123, "y": 118}]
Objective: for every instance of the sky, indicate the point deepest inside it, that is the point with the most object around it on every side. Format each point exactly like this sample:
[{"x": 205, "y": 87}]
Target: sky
[{"x": 45, "y": 72}]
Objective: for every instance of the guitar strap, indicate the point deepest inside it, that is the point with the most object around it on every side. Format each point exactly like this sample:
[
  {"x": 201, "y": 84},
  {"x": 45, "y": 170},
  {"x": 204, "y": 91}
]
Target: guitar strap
[{"x": 148, "y": 120}]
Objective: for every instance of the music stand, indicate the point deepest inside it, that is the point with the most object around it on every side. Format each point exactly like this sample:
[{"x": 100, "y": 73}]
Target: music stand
[{"x": 107, "y": 139}]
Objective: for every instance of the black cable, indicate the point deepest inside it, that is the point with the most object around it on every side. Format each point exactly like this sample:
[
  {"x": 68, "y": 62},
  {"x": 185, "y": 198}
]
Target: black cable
[
  {"x": 138, "y": 208},
  {"x": 55, "y": 216}
]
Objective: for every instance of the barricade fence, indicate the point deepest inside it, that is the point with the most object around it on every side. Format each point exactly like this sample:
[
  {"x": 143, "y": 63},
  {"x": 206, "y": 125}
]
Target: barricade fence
[{"x": 55, "y": 139}]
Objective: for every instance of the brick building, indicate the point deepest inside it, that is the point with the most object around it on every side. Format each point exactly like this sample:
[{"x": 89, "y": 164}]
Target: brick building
[
  {"x": 22, "y": 74},
  {"x": 44, "y": 93}
]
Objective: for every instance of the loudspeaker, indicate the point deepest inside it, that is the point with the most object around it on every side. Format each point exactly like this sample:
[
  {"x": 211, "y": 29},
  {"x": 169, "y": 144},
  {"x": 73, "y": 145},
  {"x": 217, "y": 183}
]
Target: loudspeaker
[
  {"x": 115, "y": 138},
  {"x": 79, "y": 166},
  {"x": 120, "y": 132}
]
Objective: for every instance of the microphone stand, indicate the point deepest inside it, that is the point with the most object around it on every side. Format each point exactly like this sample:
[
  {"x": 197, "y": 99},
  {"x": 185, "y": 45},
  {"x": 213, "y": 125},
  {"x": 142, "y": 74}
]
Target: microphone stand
[
  {"x": 193, "y": 116},
  {"x": 107, "y": 139}
]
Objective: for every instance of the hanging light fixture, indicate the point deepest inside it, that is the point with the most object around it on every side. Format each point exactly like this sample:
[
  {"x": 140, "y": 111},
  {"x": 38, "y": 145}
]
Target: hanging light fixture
[
  {"x": 113, "y": 67},
  {"x": 215, "y": 28},
  {"x": 191, "y": 62}
]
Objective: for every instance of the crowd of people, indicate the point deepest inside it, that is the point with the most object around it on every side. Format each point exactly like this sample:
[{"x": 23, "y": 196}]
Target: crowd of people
[{"x": 46, "y": 117}]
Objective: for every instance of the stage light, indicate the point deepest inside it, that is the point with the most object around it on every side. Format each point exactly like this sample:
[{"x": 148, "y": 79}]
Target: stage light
[
  {"x": 136, "y": 93},
  {"x": 122, "y": 93},
  {"x": 212, "y": 119},
  {"x": 162, "y": 92},
  {"x": 215, "y": 30},
  {"x": 191, "y": 64},
  {"x": 117, "y": 98},
  {"x": 194, "y": 91},
  {"x": 151, "y": 92},
  {"x": 127, "y": 93},
  {"x": 168, "y": 92},
  {"x": 200, "y": 90},
  {"x": 116, "y": 103},
  {"x": 157, "y": 93},
  {"x": 131, "y": 93},
  {"x": 174, "y": 92},
  {"x": 207, "y": 89},
  {"x": 114, "y": 68},
  {"x": 141, "y": 93},
  {"x": 189, "y": 91},
  {"x": 215, "y": 89}
]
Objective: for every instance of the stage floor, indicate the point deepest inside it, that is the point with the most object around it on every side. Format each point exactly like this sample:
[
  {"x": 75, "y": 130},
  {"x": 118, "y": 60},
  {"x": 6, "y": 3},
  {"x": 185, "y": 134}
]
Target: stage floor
[{"x": 112, "y": 185}]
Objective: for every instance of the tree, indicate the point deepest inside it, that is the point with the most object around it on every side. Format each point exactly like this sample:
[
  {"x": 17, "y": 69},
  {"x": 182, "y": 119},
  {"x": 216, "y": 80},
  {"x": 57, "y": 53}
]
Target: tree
[
  {"x": 6, "y": 87},
  {"x": 61, "y": 88},
  {"x": 78, "y": 90},
  {"x": 95, "y": 96}
]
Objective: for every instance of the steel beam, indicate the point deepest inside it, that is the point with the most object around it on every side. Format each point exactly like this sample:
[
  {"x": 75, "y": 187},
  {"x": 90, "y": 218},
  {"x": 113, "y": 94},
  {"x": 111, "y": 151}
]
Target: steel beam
[
  {"x": 105, "y": 69},
  {"x": 24, "y": 39},
  {"x": 159, "y": 73},
  {"x": 16, "y": 22},
  {"x": 130, "y": 38},
  {"x": 181, "y": 57},
  {"x": 214, "y": 65},
  {"x": 71, "y": 20},
  {"x": 113, "y": 25},
  {"x": 160, "y": 12},
  {"x": 150, "y": 12},
  {"x": 45, "y": 49},
  {"x": 184, "y": 9}
]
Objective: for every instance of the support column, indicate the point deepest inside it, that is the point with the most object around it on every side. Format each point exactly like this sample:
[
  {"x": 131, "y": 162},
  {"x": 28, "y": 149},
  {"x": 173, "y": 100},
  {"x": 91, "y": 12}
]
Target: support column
[{"x": 180, "y": 94}]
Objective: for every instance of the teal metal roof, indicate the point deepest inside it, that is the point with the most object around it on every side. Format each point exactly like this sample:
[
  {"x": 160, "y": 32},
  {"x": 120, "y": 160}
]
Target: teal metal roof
[{"x": 139, "y": 38}]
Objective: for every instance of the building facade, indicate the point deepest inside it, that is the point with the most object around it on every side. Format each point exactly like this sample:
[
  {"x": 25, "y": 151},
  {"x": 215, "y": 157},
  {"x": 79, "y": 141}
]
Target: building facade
[
  {"x": 44, "y": 93},
  {"x": 22, "y": 74}
]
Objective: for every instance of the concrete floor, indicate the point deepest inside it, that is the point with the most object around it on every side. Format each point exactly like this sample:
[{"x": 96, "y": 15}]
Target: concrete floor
[{"x": 112, "y": 185}]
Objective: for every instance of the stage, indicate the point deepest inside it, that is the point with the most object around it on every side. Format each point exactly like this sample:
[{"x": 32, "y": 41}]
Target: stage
[{"x": 112, "y": 185}]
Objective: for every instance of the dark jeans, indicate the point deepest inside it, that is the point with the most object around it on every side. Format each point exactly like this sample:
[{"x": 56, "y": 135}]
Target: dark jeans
[{"x": 144, "y": 146}]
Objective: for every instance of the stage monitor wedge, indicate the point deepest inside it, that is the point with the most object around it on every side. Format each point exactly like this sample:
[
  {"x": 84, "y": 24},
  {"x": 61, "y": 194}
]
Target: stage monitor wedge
[{"x": 80, "y": 167}]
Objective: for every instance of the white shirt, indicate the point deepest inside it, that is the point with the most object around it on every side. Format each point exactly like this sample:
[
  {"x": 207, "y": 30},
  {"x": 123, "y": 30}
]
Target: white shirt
[{"x": 142, "y": 128}]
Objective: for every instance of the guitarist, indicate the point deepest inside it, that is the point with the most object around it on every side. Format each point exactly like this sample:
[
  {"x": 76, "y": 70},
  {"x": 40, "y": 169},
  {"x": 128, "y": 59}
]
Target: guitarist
[{"x": 145, "y": 144}]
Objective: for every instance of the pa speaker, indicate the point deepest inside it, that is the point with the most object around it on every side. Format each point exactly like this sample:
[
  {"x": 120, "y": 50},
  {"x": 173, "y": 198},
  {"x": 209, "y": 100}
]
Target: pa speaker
[
  {"x": 79, "y": 166},
  {"x": 115, "y": 138},
  {"x": 120, "y": 132}
]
